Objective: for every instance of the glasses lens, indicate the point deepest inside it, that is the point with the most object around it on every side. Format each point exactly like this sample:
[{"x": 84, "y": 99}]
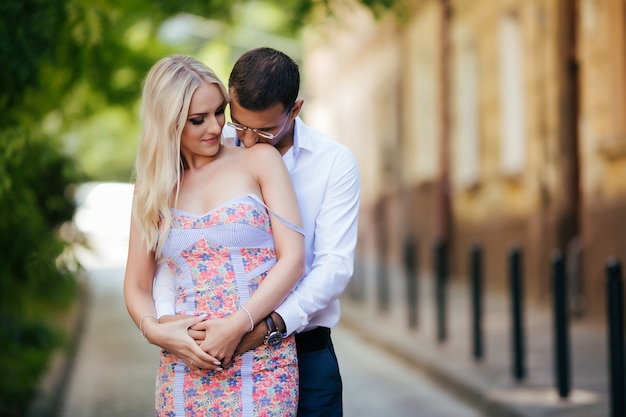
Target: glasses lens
[
  {"x": 264, "y": 135},
  {"x": 240, "y": 128}
]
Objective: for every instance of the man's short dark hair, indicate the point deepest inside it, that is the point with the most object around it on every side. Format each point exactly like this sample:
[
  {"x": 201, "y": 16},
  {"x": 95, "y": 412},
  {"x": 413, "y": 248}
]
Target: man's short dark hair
[{"x": 263, "y": 77}]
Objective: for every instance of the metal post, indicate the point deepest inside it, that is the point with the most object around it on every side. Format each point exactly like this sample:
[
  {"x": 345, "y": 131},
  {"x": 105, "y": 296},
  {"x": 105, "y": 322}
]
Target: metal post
[
  {"x": 515, "y": 265},
  {"x": 382, "y": 272},
  {"x": 561, "y": 326},
  {"x": 615, "y": 310},
  {"x": 440, "y": 288},
  {"x": 411, "y": 267},
  {"x": 476, "y": 272},
  {"x": 356, "y": 285},
  {"x": 383, "y": 286}
]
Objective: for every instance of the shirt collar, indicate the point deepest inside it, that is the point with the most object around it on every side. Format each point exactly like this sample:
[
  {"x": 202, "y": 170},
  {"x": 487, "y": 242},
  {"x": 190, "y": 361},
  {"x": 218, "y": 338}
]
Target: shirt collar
[{"x": 301, "y": 137}]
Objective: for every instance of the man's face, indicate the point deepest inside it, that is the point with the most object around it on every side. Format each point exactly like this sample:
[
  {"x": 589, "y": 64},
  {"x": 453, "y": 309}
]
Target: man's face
[{"x": 252, "y": 126}]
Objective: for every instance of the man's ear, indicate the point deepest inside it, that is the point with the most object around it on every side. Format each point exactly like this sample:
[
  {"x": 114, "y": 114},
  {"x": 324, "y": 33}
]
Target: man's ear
[{"x": 297, "y": 108}]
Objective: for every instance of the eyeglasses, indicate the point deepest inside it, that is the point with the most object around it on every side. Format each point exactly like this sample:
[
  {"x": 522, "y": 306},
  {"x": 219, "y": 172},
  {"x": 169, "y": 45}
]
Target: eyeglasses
[{"x": 261, "y": 133}]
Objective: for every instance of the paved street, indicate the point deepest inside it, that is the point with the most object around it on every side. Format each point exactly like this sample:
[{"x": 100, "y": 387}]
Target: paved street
[
  {"x": 113, "y": 373},
  {"x": 377, "y": 384},
  {"x": 114, "y": 370}
]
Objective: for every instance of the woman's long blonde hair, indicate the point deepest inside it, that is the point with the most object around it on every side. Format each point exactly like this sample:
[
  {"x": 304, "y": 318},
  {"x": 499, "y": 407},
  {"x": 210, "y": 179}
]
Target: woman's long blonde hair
[{"x": 159, "y": 166}]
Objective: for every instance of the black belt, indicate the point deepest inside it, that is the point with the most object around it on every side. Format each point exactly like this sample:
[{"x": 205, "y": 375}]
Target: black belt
[{"x": 312, "y": 340}]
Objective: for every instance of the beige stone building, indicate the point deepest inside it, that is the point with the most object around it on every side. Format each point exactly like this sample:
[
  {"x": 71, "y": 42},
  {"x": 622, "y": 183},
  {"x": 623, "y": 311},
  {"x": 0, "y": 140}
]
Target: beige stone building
[{"x": 474, "y": 121}]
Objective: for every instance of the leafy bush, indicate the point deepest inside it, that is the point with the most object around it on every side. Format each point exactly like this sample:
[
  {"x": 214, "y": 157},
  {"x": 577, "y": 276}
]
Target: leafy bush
[
  {"x": 35, "y": 280},
  {"x": 64, "y": 62}
]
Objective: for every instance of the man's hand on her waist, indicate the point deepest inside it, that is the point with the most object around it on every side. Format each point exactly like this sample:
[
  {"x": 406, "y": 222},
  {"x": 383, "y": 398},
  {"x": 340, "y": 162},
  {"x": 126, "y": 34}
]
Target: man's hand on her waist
[
  {"x": 256, "y": 337},
  {"x": 253, "y": 339}
]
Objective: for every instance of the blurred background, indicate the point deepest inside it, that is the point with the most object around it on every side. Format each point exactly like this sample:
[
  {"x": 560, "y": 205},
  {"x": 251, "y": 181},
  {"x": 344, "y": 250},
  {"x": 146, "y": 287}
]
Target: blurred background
[{"x": 476, "y": 124}]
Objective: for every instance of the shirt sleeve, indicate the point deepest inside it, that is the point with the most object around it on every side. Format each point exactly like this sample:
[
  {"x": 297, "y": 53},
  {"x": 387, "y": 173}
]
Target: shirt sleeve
[
  {"x": 164, "y": 292},
  {"x": 336, "y": 229}
]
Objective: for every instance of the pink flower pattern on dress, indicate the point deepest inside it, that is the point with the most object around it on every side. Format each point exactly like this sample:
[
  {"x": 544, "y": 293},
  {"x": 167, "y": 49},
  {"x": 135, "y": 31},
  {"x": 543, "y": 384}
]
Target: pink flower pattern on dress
[
  {"x": 235, "y": 213},
  {"x": 255, "y": 257},
  {"x": 214, "y": 289}
]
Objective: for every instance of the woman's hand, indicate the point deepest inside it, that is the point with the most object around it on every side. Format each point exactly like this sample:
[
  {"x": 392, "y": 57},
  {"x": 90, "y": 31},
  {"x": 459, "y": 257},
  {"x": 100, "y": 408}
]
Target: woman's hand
[
  {"x": 171, "y": 334},
  {"x": 223, "y": 335}
]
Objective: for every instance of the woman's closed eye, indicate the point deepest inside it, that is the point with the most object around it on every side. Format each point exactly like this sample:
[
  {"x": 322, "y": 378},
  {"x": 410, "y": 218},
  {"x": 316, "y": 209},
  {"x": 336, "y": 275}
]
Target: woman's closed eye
[{"x": 197, "y": 120}]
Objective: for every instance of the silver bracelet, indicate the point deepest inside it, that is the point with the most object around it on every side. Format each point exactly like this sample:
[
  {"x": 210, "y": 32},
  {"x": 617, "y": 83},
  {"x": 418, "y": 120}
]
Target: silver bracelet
[
  {"x": 141, "y": 323},
  {"x": 250, "y": 317}
]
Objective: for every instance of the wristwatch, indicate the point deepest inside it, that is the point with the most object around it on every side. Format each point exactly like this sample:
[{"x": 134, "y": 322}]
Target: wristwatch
[{"x": 273, "y": 336}]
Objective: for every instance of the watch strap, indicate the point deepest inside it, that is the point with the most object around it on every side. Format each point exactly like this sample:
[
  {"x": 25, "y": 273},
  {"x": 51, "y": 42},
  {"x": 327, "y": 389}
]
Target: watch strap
[
  {"x": 273, "y": 336},
  {"x": 271, "y": 326}
]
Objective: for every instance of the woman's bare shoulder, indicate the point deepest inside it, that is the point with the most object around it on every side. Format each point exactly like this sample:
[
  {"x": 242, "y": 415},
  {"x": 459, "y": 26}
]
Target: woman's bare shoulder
[
  {"x": 260, "y": 154},
  {"x": 264, "y": 151}
]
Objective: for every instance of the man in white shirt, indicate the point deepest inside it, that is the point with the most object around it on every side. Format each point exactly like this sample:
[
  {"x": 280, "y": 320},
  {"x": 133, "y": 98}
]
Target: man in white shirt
[{"x": 264, "y": 86}]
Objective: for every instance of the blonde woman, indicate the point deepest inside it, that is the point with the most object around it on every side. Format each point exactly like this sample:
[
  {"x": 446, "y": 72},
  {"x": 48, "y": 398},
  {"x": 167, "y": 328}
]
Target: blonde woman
[{"x": 224, "y": 221}]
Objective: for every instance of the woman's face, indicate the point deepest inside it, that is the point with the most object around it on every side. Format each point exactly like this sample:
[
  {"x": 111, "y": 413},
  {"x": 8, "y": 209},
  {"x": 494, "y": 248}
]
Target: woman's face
[{"x": 201, "y": 136}]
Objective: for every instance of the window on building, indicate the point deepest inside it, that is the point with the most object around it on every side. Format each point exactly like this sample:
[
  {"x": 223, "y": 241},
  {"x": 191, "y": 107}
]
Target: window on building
[
  {"x": 426, "y": 119},
  {"x": 467, "y": 135},
  {"x": 512, "y": 119}
]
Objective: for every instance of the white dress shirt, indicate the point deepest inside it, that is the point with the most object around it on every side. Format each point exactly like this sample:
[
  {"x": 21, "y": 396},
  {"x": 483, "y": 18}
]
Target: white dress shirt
[{"x": 326, "y": 180}]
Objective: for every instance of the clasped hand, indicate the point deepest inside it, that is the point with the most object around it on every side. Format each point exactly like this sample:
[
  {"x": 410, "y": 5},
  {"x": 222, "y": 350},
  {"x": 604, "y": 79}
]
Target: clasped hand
[
  {"x": 220, "y": 338},
  {"x": 217, "y": 339}
]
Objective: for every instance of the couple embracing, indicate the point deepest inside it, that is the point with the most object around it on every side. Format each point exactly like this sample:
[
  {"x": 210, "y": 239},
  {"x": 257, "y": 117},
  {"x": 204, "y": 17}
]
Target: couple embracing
[{"x": 242, "y": 239}]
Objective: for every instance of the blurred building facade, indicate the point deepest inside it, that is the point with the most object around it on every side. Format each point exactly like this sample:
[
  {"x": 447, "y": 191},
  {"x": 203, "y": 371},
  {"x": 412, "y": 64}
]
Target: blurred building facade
[{"x": 496, "y": 123}]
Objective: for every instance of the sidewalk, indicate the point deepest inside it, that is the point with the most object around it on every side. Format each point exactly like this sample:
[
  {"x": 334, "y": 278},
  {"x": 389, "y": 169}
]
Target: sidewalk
[
  {"x": 107, "y": 358},
  {"x": 489, "y": 384},
  {"x": 104, "y": 358},
  {"x": 114, "y": 370}
]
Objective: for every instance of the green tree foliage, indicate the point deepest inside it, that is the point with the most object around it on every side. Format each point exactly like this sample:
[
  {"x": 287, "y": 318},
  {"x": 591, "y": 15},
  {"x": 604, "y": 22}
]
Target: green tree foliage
[
  {"x": 34, "y": 281},
  {"x": 34, "y": 175},
  {"x": 70, "y": 79}
]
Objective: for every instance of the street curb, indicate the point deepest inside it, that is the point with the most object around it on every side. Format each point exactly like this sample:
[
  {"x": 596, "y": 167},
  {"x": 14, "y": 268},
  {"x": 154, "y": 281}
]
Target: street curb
[
  {"x": 479, "y": 386},
  {"x": 53, "y": 384},
  {"x": 441, "y": 377}
]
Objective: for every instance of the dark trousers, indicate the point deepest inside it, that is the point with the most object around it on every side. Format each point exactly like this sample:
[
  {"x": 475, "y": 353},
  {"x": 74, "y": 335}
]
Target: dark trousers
[{"x": 320, "y": 380}]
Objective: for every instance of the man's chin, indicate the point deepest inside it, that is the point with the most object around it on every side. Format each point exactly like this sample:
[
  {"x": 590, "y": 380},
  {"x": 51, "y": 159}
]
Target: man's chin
[{"x": 250, "y": 144}]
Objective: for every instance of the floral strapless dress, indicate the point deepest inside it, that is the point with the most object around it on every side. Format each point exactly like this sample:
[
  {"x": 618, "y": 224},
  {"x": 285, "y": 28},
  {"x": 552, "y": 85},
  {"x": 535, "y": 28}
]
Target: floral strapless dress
[{"x": 218, "y": 260}]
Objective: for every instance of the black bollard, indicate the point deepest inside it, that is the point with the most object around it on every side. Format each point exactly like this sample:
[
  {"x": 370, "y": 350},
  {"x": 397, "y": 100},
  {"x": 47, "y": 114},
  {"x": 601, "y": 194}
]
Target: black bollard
[
  {"x": 355, "y": 288},
  {"x": 561, "y": 326},
  {"x": 411, "y": 267},
  {"x": 383, "y": 287},
  {"x": 615, "y": 310},
  {"x": 515, "y": 271},
  {"x": 476, "y": 274},
  {"x": 440, "y": 288}
]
